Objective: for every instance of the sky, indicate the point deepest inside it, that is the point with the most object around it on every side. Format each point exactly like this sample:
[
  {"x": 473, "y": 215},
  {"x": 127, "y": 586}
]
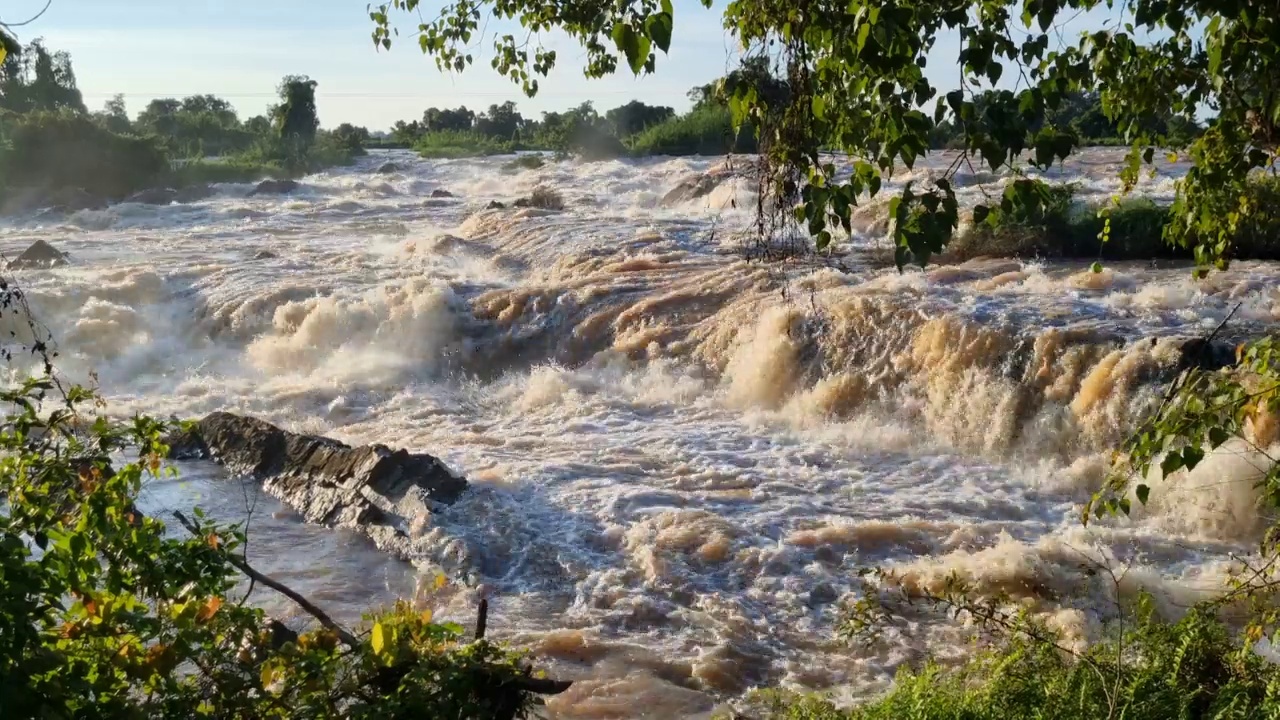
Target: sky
[{"x": 239, "y": 50}]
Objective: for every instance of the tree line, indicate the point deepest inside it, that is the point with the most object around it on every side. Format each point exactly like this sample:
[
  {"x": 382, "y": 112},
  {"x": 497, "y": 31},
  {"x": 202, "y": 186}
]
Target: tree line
[{"x": 50, "y": 141}]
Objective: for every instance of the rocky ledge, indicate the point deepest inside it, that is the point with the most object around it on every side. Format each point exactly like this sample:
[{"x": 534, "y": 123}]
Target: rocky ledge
[{"x": 383, "y": 493}]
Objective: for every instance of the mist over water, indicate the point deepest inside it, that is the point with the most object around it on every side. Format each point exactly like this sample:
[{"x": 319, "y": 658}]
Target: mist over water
[{"x": 679, "y": 459}]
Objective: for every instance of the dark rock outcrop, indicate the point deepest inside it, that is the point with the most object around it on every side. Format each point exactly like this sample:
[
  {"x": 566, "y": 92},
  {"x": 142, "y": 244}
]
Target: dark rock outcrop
[
  {"x": 74, "y": 199},
  {"x": 438, "y": 193},
  {"x": 274, "y": 187},
  {"x": 193, "y": 193},
  {"x": 495, "y": 205},
  {"x": 373, "y": 489},
  {"x": 693, "y": 188},
  {"x": 264, "y": 255},
  {"x": 388, "y": 169},
  {"x": 153, "y": 196},
  {"x": 40, "y": 255}
]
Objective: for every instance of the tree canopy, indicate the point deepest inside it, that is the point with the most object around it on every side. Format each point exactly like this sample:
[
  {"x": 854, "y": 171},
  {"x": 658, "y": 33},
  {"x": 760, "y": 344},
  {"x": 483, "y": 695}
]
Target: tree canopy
[{"x": 856, "y": 83}]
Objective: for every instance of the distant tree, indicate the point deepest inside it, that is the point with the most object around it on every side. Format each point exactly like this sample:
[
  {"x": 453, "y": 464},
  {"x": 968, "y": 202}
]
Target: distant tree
[
  {"x": 114, "y": 116},
  {"x": 501, "y": 121},
  {"x": 258, "y": 125},
  {"x": 406, "y": 133},
  {"x": 33, "y": 78},
  {"x": 160, "y": 117},
  {"x": 351, "y": 137},
  {"x": 635, "y": 116},
  {"x": 435, "y": 119},
  {"x": 295, "y": 117}
]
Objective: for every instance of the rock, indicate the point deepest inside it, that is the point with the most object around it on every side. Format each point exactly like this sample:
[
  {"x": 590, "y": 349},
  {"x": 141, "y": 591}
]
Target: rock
[
  {"x": 822, "y": 594},
  {"x": 274, "y": 187},
  {"x": 153, "y": 196},
  {"x": 438, "y": 193},
  {"x": 495, "y": 205},
  {"x": 73, "y": 199},
  {"x": 264, "y": 255},
  {"x": 40, "y": 255},
  {"x": 522, "y": 203},
  {"x": 193, "y": 193},
  {"x": 373, "y": 489},
  {"x": 693, "y": 188},
  {"x": 388, "y": 169}
]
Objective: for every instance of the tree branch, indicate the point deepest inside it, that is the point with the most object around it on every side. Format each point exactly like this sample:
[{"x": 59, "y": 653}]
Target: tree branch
[
  {"x": 29, "y": 20},
  {"x": 315, "y": 612}
]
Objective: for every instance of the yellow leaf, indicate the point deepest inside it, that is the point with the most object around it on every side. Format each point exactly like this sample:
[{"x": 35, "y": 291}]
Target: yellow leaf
[
  {"x": 210, "y": 608},
  {"x": 426, "y": 616},
  {"x": 268, "y": 675},
  {"x": 378, "y": 640},
  {"x": 441, "y": 581},
  {"x": 3, "y": 53}
]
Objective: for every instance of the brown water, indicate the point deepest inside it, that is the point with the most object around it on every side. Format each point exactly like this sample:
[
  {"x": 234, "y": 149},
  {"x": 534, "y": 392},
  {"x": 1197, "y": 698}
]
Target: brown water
[{"x": 679, "y": 458}]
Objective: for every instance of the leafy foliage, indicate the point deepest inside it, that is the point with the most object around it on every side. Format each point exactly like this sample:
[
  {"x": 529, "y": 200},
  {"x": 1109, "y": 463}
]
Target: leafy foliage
[
  {"x": 1154, "y": 670},
  {"x": 104, "y": 613},
  {"x": 35, "y": 78},
  {"x": 1152, "y": 70}
]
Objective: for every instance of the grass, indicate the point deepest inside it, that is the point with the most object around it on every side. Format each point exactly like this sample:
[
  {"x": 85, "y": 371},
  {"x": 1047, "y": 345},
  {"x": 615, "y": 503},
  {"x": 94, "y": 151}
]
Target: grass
[
  {"x": 705, "y": 131},
  {"x": 230, "y": 171},
  {"x": 1068, "y": 230},
  {"x": 1195, "y": 668},
  {"x": 450, "y": 144}
]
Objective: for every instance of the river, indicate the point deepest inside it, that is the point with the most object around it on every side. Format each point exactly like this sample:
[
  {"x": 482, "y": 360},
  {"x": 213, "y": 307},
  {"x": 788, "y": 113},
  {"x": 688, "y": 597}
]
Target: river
[{"x": 679, "y": 458}]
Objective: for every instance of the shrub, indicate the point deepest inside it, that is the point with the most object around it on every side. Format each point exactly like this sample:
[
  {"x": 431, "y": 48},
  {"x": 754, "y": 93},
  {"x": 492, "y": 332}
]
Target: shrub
[
  {"x": 53, "y": 150},
  {"x": 1194, "y": 668},
  {"x": 524, "y": 162},
  {"x": 103, "y": 613},
  {"x": 703, "y": 131}
]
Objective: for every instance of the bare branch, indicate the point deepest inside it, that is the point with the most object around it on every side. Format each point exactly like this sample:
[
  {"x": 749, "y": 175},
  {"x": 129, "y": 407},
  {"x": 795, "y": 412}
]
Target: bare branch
[
  {"x": 281, "y": 588},
  {"x": 29, "y": 20}
]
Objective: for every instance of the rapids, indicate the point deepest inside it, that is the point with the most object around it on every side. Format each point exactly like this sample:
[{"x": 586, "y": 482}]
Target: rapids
[{"x": 679, "y": 458}]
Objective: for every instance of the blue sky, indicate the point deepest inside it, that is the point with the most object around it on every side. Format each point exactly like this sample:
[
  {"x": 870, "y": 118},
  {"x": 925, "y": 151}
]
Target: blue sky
[{"x": 239, "y": 50}]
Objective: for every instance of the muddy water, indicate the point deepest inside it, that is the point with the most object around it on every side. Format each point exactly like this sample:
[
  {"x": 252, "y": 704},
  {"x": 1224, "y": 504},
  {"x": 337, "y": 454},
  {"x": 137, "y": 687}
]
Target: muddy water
[{"x": 679, "y": 459}]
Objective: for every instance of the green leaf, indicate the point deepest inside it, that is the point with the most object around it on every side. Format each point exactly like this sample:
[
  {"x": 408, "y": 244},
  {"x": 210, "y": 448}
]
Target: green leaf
[
  {"x": 1096, "y": 267},
  {"x": 1142, "y": 492},
  {"x": 666, "y": 7},
  {"x": 659, "y": 28},
  {"x": 632, "y": 44},
  {"x": 819, "y": 106},
  {"x": 1217, "y": 436},
  {"x": 980, "y": 213},
  {"x": 1191, "y": 456},
  {"x": 1171, "y": 464}
]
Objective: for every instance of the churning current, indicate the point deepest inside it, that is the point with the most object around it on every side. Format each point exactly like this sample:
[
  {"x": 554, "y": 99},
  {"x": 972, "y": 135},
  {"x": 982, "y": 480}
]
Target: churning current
[{"x": 679, "y": 458}]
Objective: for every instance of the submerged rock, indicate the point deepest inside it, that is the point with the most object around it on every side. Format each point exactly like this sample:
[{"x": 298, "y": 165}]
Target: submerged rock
[
  {"x": 153, "y": 196},
  {"x": 495, "y": 205},
  {"x": 275, "y": 187},
  {"x": 379, "y": 491},
  {"x": 388, "y": 169},
  {"x": 439, "y": 193},
  {"x": 40, "y": 255}
]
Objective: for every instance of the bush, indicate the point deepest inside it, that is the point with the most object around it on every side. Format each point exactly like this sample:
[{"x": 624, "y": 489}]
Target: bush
[
  {"x": 704, "y": 131},
  {"x": 53, "y": 150},
  {"x": 524, "y": 162},
  {"x": 460, "y": 144},
  {"x": 1064, "y": 230},
  {"x": 1194, "y": 668},
  {"x": 103, "y": 613}
]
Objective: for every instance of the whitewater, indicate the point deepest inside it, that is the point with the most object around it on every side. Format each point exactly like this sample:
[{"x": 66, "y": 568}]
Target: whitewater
[{"x": 680, "y": 458}]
